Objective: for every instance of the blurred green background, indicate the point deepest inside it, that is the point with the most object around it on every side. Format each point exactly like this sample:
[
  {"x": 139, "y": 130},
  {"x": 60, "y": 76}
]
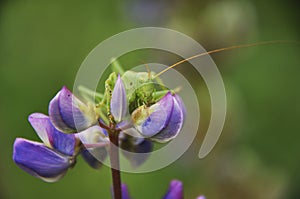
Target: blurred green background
[{"x": 42, "y": 44}]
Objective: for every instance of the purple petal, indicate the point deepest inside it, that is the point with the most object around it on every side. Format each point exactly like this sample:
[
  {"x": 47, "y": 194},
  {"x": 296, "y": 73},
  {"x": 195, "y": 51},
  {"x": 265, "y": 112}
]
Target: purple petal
[
  {"x": 136, "y": 150},
  {"x": 68, "y": 113},
  {"x": 150, "y": 121},
  {"x": 40, "y": 124},
  {"x": 40, "y": 161},
  {"x": 174, "y": 125},
  {"x": 93, "y": 135},
  {"x": 175, "y": 190},
  {"x": 181, "y": 104},
  {"x": 69, "y": 108},
  {"x": 55, "y": 116},
  {"x": 125, "y": 193},
  {"x": 90, "y": 158},
  {"x": 94, "y": 155},
  {"x": 118, "y": 104},
  {"x": 64, "y": 143},
  {"x": 201, "y": 197}
]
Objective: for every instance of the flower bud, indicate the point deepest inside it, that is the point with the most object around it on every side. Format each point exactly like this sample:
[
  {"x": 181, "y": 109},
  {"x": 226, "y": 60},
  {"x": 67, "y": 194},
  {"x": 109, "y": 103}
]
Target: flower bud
[{"x": 118, "y": 104}]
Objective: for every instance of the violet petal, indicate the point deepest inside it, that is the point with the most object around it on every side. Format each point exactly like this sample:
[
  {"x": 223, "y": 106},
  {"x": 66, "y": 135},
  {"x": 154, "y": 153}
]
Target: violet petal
[
  {"x": 136, "y": 150},
  {"x": 69, "y": 108},
  {"x": 181, "y": 104},
  {"x": 39, "y": 160},
  {"x": 68, "y": 113},
  {"x": 118, "y": 104},
  {"x": 64, "y": 143},
  {"x": 125, "y": 192},
  {"x": 39, "y": 122},
  {"x": 90, "y": 158},
  {"x": 55, "y": 116},
  {"x": 150, "y": 121},
  {"x": 92, "y": 137},
  {"x": 175, "y": 190},
  {"x": 174, "y": 125}
]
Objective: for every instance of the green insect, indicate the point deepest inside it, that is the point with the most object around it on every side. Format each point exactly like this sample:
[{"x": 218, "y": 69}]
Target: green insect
[{"x": 142, "y": 88}]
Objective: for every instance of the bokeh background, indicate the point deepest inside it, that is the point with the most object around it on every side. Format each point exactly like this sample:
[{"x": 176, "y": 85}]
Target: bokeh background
[{"x": 42, "y": 44}]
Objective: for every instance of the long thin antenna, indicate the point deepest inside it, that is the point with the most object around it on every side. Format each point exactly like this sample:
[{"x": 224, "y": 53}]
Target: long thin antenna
[{"x": 224, "y": 49}]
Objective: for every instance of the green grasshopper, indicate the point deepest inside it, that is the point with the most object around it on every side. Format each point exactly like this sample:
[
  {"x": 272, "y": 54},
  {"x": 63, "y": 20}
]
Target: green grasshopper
[{"x": 143, "y": 88}]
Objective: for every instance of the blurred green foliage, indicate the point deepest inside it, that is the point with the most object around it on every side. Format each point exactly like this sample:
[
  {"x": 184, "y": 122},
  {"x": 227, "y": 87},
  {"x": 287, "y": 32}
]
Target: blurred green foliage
[{"x": 42, "y": 44}]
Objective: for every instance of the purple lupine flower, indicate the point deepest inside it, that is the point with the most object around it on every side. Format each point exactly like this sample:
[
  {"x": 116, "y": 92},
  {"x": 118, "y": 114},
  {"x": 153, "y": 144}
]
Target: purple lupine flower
[
  {"x": 69, "y": 114},
  {"x": 125, "y": 192},
  {"x": 49, "y": 160},
  {"x": 175, "y": 191},
  {"x": 162, "y": 121}
]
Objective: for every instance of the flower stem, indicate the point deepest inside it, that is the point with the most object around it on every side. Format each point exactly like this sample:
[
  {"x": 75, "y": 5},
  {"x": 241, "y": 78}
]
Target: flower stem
[{"x": 115, "y": 163}]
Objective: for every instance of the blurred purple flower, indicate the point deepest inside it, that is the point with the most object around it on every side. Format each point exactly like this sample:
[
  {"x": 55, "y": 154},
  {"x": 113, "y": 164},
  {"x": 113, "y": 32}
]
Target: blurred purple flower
[
  {"x": 175, "y": 191},
  {"x": 125, "y": 192},
  {"x": 149, "y": 12}
]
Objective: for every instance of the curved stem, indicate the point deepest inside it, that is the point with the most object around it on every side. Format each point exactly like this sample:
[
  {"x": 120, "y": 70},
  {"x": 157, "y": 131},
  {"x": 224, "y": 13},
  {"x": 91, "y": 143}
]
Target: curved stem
[{"x": 115, "y": 163}]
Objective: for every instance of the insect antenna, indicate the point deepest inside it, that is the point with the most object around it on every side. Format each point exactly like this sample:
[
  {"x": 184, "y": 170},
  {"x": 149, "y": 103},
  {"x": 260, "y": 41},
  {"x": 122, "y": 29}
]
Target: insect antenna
[{"x": 225, "y": 49}]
